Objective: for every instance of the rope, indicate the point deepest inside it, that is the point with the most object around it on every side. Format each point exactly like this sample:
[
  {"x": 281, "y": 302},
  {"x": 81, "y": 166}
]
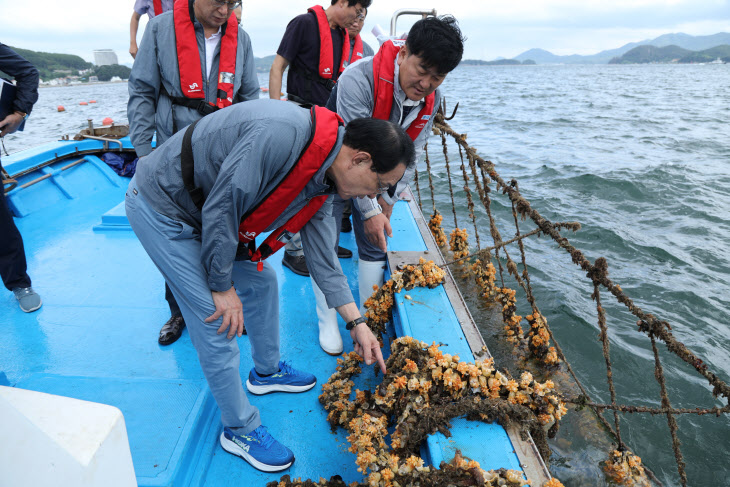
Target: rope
[
  {"x": 448, "y": 173},
  {"x": 418, "y": 190},
  {"x": 469, "y": 200},
  {"x": 659, "y": 374},
  {"x": 430, "y": 181},
  {"x": 607, "y": 357}
]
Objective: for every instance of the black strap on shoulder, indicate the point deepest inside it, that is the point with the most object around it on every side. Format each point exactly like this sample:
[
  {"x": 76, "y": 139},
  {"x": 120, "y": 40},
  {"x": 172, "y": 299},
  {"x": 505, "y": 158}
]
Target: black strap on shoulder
[
  {"x": 187, "y": 167},
  {"x": 311, "y": 77}
]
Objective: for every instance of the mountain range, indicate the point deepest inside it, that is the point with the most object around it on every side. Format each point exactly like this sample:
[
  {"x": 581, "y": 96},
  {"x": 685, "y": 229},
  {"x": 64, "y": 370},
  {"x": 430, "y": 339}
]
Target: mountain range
[{"x": 685, "y": 41}]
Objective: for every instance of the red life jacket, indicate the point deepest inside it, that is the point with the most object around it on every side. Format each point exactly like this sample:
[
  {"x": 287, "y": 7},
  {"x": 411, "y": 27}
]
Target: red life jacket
[
  {"x": 325, "y": 125},
  {"x": 158, "y": 7},
  {"x": 326, "y": 58},
  {"x": 188, "y": 57},
  {"x": 357, "y": 50},
  {"x": 384, "y": 79}
]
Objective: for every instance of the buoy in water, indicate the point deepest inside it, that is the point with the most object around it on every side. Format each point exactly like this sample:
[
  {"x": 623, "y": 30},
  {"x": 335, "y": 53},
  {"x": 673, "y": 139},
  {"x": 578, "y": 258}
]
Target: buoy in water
[
  {"x": 61, "y": 108},
  {"x": 92, "y": 101},
  {"x": 83, "y": 103},
  {"x": 107, "y": 121}
]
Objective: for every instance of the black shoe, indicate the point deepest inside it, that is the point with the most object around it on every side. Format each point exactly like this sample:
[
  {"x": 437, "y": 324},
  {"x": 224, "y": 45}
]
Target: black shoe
[
  {"x": 343, "y": 253},
  {"x": 297, "y": 264},
  {"x": 171, "y": 331},
  {"x": 346, "y": 225}
]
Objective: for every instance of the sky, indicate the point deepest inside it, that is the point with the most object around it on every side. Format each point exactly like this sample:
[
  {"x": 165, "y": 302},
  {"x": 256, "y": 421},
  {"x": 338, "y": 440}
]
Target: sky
[{"x": 494, "y": 28}]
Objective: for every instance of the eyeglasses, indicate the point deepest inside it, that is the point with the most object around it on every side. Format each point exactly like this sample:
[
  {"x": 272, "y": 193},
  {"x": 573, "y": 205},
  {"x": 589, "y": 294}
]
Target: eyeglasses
[
  {"x": 382, "y": 189},
  {"x": 360, "y": 12},
  {"x": 228, "y": 5}
]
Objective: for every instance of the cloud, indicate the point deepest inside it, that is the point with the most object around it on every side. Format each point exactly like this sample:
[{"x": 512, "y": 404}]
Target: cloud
[{"x": 493, "y": 28}]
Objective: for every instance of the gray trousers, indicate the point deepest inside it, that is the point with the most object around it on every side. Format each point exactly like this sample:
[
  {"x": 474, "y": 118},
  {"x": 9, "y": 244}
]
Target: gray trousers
[
  {"x": 294, "y": 246},
  {"x": 175, "y": 248}
]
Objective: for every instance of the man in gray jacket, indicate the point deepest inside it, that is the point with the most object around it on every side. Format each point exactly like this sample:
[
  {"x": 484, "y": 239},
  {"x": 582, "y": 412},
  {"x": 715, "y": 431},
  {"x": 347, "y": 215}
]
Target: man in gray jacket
[
  {"x": 165, "y": 69},
  {"x": 190, "y": 204},
  {"x": 404, "y": 92}
]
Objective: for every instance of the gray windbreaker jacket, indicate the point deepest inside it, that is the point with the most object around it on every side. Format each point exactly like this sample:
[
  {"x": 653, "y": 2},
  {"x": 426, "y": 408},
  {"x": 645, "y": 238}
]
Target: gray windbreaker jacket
[
  {"x": 156, "y": 65},
  {"x": 241, "y": 153},
  {"x": 355, "y": 100}
]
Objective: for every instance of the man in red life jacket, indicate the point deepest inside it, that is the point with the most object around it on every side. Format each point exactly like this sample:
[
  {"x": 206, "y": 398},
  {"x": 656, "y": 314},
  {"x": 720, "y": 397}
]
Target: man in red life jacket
[
  {"x": 359, "y": 49},
  {"x": 315, "y": 47},
  {"x": 398, "y": 84},
  {"x": 141, "y": 7},
  {"x": 198, "y": 203},
  {"x": 192, "y": 61}
]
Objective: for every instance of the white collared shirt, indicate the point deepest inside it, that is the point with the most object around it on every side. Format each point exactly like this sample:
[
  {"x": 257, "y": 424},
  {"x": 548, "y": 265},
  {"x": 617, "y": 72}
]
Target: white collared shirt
[{"x": 210, "y": 44}]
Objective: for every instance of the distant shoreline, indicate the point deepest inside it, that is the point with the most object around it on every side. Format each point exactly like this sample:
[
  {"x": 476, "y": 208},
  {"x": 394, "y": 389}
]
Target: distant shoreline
[{"x": 84, "y": 84}]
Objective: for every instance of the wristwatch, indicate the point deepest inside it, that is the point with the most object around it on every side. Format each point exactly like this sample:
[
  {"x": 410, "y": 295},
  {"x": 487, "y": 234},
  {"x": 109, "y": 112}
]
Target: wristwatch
[
  {"x": 352, "y": 324},
  {"x": 377, "y": 210}
]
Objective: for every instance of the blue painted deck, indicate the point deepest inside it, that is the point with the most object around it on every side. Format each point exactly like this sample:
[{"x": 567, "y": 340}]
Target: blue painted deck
[{"x": 95, "y": 338}]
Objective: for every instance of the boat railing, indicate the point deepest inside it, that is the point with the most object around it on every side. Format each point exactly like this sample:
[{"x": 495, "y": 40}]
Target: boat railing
[
  {"x": 478, "y": 176},
  {"x": 408, "y": 11}
]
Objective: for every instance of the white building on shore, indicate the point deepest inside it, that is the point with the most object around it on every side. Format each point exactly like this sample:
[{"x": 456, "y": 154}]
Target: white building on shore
[{"x": 103, "y": 57}]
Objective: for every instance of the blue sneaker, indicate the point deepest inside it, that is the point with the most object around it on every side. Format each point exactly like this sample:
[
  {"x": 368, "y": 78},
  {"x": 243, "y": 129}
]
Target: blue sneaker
[
  {"x": 258, "y": 448},
  {"x": 288, "y": 379}
]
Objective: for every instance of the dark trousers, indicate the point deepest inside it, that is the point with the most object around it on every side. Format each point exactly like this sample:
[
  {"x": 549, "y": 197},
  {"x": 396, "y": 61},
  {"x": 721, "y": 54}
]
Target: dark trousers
[
  {"x": 12, "y": 253},
  {"x": 174, "y": 308}
]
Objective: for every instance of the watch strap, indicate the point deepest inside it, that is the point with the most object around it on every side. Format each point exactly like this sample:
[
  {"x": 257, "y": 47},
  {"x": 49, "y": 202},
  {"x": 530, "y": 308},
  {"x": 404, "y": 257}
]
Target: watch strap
[{"x": 352, "y": 324}]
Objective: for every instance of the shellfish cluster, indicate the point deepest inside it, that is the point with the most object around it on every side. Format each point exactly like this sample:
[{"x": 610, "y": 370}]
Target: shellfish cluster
[
  {"x": 459, "y": 243},
  {"x": 624, "y": 468},
  {"x": 512, "y": 328},
  {"x": 436, "y": 230},
  {"x": 380, "y": 305},
  {"x": 538, "y": 340},
  {"x": 423, "y": 389},
  {"x": 485, "y": 277}
]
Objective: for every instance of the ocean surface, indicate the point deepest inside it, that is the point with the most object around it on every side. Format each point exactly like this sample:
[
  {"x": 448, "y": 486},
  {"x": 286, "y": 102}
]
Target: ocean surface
[{"x": 640, "y": 156}]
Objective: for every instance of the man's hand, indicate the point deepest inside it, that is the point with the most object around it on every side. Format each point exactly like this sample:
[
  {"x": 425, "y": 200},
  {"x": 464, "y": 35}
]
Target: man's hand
[
  {"x": 228, "y": 305},
  {"x": 133, "y": 50},
  {"x": 10, "y": 124},
  {"x": 375, "y": 229},
  {"x": 367, "y": 346}
]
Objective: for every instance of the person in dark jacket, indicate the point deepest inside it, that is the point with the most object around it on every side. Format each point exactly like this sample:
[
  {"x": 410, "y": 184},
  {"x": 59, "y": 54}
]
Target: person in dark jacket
[
  {"x": 309, "y": 40},
  {"x": 13, "y": 266}
]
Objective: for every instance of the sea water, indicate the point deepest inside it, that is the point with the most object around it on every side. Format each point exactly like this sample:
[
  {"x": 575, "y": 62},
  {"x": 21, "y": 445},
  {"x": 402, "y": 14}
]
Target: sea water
[{"x": 640, "y": 156}]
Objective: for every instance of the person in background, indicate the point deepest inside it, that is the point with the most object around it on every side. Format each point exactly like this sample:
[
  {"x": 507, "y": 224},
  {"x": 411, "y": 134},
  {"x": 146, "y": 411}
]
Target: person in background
[
  {"x": 197, "y": 205},
  {"x": 358, "y": 50},
  {"x": 315, "y": 49},
  {"x": 404, "y": 91},
  {"x": 141, "y": 7},
  {"x": 238, "y": 12},
  {"x": 13, "y": 265},
  {"x": 193, "y": 61}
]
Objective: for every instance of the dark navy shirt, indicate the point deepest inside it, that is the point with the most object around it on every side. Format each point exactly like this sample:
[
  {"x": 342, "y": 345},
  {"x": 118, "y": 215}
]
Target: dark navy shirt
[
  {"x": 26, "y": 78},
  {"x": 300, "y": 46}
]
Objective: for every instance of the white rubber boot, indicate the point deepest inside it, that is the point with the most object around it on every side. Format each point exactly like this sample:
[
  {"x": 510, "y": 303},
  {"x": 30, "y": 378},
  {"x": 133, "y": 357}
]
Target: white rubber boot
[
  {"x": 369, "y": 274},
  {"x": 329, "y": 335}
]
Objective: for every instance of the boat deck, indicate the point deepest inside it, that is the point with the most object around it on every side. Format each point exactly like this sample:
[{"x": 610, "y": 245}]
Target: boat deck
[{"x": 95, "y": 338}]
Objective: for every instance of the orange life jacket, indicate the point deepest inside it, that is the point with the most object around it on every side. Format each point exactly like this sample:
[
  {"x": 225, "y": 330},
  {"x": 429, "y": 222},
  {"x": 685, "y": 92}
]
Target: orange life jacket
[
  {"x": 384, "y": 79},
  {"x": 188, "y": 56},
  {"x": 357, "y": 50},
  {"x": 326, "y": 58},
  {"x": 325, "y": 125}
]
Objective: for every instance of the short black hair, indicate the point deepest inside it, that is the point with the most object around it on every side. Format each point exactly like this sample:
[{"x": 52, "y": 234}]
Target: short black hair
[
  {"x": 438, "y": 41},
  {"x": 352, "y": 3},
  {"x": 386, "y": 142}
]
